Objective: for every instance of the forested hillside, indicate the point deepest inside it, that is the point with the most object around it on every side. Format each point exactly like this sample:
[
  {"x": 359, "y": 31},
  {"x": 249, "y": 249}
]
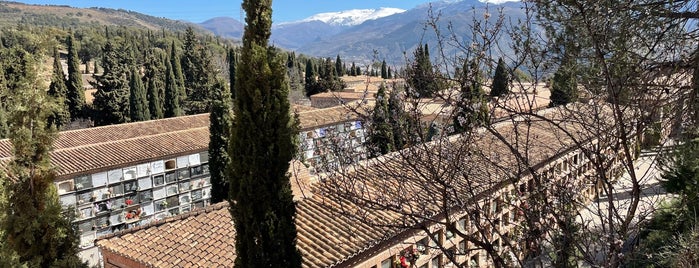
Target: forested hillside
[{"x": 12, "y": 13}]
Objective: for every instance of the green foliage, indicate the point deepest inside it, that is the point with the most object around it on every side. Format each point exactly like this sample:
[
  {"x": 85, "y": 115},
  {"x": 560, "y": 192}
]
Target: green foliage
[
  {"x": 262, "y": 145},
  {"x": 339, "y": 68},
  {"x": 232, "y": 59},
  {"x": 221, "y": 125},
  {"x": 58, "y": 90},
  {"x": 381, "y": 132},
  {"x": 76, "y": 92},
  {"x": 399, "y": 120},
  {"x": 138, "y": 104},
  {"x": 663, "y": 239},
  {"x": 33, "y": 227},
  {"x": 111, "y": 104},
  {"x": 471, "y": 109},
  {"x": 172, "y": 107},
  {"x": 155, "y": 81},
  {"x": 199, "y": 74},
  {"x": 564, "y": 86},
  {"x": 501, "y": 80},
  {"x": 384, "y": 70},
  {"x": 178, "y": 75},
  {"x": 421, "y": 75}
]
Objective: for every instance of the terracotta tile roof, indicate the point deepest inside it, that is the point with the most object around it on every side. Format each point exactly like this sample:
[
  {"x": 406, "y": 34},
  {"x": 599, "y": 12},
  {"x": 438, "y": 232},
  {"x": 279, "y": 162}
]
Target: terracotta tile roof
[
  {"x": 328, "y": 237},
  {"x": 201, "y": 238},
  {"x": 322, "y": 117},
  {"x": 93, "y": 149}
]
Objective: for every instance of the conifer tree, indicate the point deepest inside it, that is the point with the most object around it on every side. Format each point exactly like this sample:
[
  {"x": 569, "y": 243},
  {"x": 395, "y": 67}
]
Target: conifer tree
[
  {"x": 172, "y": 106},
  {"x": 312, "y": 86},
  {"x": 389, "y": 75},
  {"x": 111, "y": 102},
  {"x": 177, "y": 72},
  {"x": 500, "y": 80},
  {"x": 471, "y": 110},
  {"x": 232, "y": 64},
  {"x": 199, "y": 74},
  {"x": 339, "y": 71},
  {"x": 220, "y": 127},
  {"x": 34, "y": 229},
  {"x": 138, "y": 104},
  {"x": 381, "y": 132},
  {"x": 384, "y": 70},
  {"x": 155, "y": 82},
  {"x": 564, "y": 86},
  {"x": 421, "y": 75},
  {"x": 398, "y": 119},
  {"x": 353, "y": 70},
  {"x": 262, "y": 145},
  {"x": 58, "y": 90},
  {"x": 76, "y": 92}
]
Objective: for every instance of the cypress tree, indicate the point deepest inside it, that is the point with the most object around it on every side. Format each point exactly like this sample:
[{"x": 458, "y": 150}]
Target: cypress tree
[
  {"x": 177, "y": 72},
  {"x": 172, "y": 93},
  {"x": 76, "y": 92},
  {"x": 262, "y": 145},
  {"x": 111, "y": 102},
  {"x": 384, "y": 70},
  {"x": 353, "y": 70},
  {"x": 381, "y": 132},
  {"x": 220, "y": 127},
  {"x": 471, "y": 110},
  {"x": 232, "y": 63},
  {"x": 500, "y": 80},
  {"x": 58, "y": 90},
  {"x": 389, "y": 75},
  {"x": 421, "y": 75},
  {"x": 138, "y": 104},
  {"x": 312, "y": 85},
  {"x": 397, "y": 119},
  {"x": 564, "y": 87},
  {"x": 34, "y": 229},
  {"x": 155, "y": 82},
  {"x": 339, "y": 72}
]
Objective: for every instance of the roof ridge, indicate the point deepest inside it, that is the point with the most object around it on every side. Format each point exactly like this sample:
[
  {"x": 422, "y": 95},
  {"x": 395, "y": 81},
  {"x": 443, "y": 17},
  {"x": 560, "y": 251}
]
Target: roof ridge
[
  {"x": 134, "y": 123},
  {"x": 196, "y": 212},
  {"x": 129, "y": 139}
]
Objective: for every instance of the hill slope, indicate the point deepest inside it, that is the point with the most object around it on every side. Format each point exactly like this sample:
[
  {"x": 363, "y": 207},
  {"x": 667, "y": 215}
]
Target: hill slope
[{"x": 12, "y": 13}]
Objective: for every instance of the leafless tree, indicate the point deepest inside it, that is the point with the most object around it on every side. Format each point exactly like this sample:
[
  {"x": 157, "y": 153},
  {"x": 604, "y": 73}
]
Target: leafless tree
[{"x": 535, "y": 186}]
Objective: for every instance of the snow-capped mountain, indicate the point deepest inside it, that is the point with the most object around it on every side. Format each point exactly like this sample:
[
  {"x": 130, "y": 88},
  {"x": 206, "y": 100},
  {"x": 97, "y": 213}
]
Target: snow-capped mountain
[{"x": 354, "y": 16}]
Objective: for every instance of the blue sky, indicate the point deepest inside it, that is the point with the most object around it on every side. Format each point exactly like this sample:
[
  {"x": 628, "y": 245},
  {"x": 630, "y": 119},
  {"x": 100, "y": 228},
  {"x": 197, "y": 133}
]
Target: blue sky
[{"x": 201, "y": 10}]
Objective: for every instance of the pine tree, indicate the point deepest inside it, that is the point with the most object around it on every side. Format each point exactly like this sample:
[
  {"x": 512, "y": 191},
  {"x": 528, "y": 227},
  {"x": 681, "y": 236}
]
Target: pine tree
[
  {"x": 155, "y": 82},
  {"x": 172, "y": 93},
  {"x": 34, "y": 229},
  {"x": 221, "y": 120},
  {"x": 381, "y": 132},
  {"x": 76, "y": 92},
  {"x": 564, "y": 86},
  {"x": 111, "y": 102},
  {"x": 500, "y": 80},
  {"x": 138, "y": 104},
  {"x": 384, "y": 70},
  {"x": 262, "y": 145},
  {"x": 58, "y": 90}
]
